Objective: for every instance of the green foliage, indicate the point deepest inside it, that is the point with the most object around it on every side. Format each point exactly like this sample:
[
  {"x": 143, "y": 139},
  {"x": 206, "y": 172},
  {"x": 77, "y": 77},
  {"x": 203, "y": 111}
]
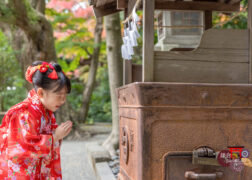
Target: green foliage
[
  {"x": 5, "y": 12},
  {"x": 75, "y": 97},
  {"x": 100, "y": 106},
  {"x": 77, "y": 37},
  {"x": 75, "y": 42},
  {"x": 236, "y": 20},
  {"x": 11, "y": 81},
  {"x": 32, "y": 15}
]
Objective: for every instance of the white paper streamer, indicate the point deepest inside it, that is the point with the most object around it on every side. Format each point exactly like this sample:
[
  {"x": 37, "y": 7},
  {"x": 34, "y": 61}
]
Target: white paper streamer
[
  {"x": 133, "y": 38},
  {"x": 131, "y": 35},
  {"x": 135, "y": 16},
  {"x": 137, "y": 35}
]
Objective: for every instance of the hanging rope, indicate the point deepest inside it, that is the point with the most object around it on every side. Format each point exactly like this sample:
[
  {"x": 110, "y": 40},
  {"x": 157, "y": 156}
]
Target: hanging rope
[
  {"x": 136, "y": 6},
  {"x": 138, "y": 3}
]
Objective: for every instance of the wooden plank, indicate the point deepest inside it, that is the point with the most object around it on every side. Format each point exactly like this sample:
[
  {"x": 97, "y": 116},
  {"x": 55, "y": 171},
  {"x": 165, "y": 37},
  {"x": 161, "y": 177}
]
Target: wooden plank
[
  {"x": 121, "y": 4},
  {"x": 201, "y": 54},
  {"x": 136, "y": 73},
  {"x": 100, "y": 12},
  {"x": 148, "y": 40},
  {"x": 208, "y": 20},
  {"x": 203, "y": 6},
  {"x": 250, "y": 39},
  {"x": 103, "y": 3},
  {"x": 200, "y": 72},
  {"x": 127, "y": 72},
  {"x": 225, "y": 38}
]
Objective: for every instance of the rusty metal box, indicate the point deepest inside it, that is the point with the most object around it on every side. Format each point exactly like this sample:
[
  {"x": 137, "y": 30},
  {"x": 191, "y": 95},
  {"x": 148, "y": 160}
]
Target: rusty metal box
[{"x": 158, "y": 119}]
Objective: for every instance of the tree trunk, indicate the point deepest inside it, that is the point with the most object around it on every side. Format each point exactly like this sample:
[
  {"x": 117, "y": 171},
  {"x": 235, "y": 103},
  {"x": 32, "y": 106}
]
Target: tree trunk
[
  {"x": 87, "y": 93},
  {"x": 32, "y": 34},
  {"x": 114, "y": 41}
]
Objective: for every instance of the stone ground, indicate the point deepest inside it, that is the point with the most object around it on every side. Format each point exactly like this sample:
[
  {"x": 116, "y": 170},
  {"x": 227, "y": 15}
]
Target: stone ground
[{"x": 74, "y": 163}]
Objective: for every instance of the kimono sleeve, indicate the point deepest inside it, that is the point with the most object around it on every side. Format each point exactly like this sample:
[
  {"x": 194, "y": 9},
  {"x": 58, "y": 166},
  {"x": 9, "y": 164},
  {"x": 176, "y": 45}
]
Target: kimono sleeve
[{"x": 25, "y": 139}]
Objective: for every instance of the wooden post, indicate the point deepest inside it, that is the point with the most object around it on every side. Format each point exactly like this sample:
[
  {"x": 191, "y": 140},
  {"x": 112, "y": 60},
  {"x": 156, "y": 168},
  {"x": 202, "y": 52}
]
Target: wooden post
[
  {"x": 148, "y": 40},
  {"x": 127, "y": 71},
  {"x": 121, "y": 4},
  {"x": 208, "y": 20},
  {"x": 250, "y": 38}
]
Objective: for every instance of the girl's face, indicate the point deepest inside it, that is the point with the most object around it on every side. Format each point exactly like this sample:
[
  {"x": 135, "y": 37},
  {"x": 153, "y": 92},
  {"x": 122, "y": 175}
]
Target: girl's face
[{"x": 52, "y": 100}]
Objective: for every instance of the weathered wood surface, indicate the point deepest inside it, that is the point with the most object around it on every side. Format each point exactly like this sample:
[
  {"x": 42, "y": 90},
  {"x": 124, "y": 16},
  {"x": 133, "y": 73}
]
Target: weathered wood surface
[
  {"x": 208, "y": 15},
  {"x": 127, "y": 72},
  {"x": 148, "y": 40},
  {"x": 104, "y": 11},
  {"x": 222, "y": 57},
  {"x": 206, "y": 54},
  {"x": 136, "y": 73},
  {"x": 121, "y": 4},
  {"x": 203, "y": 6},
  {"x": 225, "y": 38},
  {"x": 199, "y": 71}
]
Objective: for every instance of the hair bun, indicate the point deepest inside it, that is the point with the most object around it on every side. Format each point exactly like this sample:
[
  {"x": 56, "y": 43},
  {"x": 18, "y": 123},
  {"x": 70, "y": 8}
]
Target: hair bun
[
  {"x": 57, "y": 67},
  {"x": 29, "y": 73}
]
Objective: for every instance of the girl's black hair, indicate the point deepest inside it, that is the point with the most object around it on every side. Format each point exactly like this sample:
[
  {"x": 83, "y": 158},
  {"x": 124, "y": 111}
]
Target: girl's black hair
[{"x": 41, "y": 79}]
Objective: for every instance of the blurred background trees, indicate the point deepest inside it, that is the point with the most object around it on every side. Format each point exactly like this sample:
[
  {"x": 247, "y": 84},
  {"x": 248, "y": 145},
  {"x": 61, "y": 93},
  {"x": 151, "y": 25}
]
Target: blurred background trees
[{"x": 74, "y": 37}]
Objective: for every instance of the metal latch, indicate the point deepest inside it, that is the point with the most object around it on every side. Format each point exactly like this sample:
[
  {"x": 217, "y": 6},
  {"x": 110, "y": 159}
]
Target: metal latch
[{"x": 205, "y": 156}]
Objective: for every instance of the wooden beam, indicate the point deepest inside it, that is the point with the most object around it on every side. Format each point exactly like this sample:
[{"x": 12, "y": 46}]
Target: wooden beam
[
  {"x": 122, "y": 4},
  {"x": 208, "y": 20},
  {"x": 250, "y": 39},
  {"x": 100, "y": 12},
  {"x": 203, "y": 6},
  {"x": 127, "y": 72},
  {"x": 148, "y": 40}
]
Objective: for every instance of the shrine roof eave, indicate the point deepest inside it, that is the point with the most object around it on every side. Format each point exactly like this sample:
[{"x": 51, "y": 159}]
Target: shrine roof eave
[{"x": 106, "y": 7}]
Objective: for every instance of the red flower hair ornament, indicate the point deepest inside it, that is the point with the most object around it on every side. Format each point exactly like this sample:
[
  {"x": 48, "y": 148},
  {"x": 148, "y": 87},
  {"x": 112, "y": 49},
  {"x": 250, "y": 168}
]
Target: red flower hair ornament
[{"x": 43, "y": 69}]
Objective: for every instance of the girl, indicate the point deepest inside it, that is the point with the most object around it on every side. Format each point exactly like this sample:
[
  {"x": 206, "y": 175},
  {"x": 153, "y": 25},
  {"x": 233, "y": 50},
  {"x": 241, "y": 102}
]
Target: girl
[{"x": 29, "y": 136}]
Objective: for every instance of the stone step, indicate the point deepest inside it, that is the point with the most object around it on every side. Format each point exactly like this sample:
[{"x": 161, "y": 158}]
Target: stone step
[{"x": 104, "y": 172}]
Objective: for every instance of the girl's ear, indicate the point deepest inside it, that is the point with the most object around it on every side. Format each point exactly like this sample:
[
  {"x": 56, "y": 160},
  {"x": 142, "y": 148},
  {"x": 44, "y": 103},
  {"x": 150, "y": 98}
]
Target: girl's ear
[{"x": 40, "y": 92}]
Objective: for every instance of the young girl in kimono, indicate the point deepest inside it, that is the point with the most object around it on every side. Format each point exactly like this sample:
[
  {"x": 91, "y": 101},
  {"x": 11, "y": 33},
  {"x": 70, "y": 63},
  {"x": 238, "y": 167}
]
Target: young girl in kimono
[{"x": 29, "y": 136}]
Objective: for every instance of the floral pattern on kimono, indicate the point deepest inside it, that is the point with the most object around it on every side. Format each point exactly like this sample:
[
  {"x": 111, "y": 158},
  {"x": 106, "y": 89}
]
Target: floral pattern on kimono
[{"x": 27, "y": 149}]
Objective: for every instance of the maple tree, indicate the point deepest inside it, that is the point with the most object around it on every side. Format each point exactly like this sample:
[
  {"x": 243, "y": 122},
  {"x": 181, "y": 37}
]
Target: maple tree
[{"x": 78, "y": 42}]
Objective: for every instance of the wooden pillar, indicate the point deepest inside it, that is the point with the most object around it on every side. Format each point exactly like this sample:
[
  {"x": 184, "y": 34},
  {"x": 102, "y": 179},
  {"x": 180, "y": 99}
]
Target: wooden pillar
[
  {"x": 127, "y": 71},
  {"x": 121, "y": 4},
  {"x": 250, "y": 38},
  {"x": 148, "y": 40},
  {"x": 208, "y": 19},
  {"x": 127, "y": 64}
]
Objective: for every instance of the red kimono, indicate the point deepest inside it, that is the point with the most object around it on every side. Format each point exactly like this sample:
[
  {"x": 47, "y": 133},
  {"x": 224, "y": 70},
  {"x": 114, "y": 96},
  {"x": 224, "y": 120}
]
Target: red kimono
[{"x": 27, "y": 149}]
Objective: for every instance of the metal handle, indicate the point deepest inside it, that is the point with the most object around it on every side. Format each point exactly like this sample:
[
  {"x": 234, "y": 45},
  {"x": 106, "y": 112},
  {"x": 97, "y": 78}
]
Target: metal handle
[{"x": 203, "y": 176}]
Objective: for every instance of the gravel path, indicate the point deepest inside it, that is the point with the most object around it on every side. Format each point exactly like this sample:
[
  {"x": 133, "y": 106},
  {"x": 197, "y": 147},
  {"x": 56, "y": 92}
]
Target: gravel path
[{"x": 74, "y": 161}]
